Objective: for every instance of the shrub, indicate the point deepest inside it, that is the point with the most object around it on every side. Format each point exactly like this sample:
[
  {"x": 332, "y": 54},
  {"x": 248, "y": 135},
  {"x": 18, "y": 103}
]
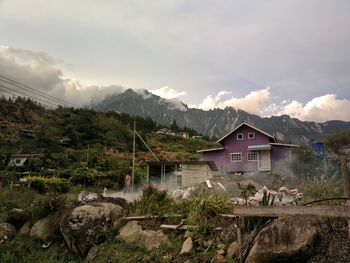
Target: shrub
[
  {"x": 205, "y": 212},
  {"x": 47, "y": 205},
  {"x": 44, "y": 184},
  {"x": 152, "y": 202}
]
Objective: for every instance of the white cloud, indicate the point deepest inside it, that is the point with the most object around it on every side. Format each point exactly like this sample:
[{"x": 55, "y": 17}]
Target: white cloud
[
  {"x": 168, "y": 93},
  {"x": 319, "y": 109},
  {"x": 255, "y": 102}
]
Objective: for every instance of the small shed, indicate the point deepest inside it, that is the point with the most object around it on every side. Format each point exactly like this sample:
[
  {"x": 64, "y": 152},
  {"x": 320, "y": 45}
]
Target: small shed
[
  {"x": 173, "y": 174},
  {"x": 19, "y": 159}
]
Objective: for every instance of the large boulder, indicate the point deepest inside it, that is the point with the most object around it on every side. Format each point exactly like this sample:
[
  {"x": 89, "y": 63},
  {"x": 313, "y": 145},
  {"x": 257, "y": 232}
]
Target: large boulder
[
  {"x": 17, "y": 217},
  {"x": 132, "y": 232},
  {"x": 45, "y": 228},
  {"x": 6, "y": 231},
  {"x": 289, "y": 239},
  {"x": 88, "y": 225}
]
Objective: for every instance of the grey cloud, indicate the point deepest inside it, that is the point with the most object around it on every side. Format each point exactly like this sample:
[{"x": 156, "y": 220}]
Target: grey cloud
[{"x": 40, "y": 71}]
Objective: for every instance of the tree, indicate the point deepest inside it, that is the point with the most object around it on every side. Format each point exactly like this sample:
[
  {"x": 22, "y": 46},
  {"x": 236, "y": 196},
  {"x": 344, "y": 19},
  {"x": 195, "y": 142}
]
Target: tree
[
  {"x": 336, "y": 140},
  {"x": 174, "y": 126}
]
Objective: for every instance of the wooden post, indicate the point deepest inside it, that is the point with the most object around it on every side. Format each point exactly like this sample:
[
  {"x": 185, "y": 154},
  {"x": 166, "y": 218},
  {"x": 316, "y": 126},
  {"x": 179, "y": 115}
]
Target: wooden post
[
  {"x": 239, "y": 239},
  {"x": 344, "y": 171},
  {"x": 147, "y": 178}
]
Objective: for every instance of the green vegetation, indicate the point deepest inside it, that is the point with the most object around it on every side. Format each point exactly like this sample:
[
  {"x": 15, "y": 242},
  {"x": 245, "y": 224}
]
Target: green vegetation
[{"x": 81, "y": 146}]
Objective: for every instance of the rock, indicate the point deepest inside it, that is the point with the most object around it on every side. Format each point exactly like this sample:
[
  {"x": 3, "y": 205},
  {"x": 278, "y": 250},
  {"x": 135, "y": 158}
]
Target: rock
[
  {"x": 132, "y": 232},
  {"x": 88, "y": 225},
  {"x": 25, "y": 229},
  {"x": 44, "y": 229},
  {"x": 87, "y": 196},
  {"x": 92, "y": 253},
  {"x": 288, "y": 239},
  {"x": 208, "y": 243},
  {"x": 221, "y": 246},
  {"x": 220, "y": 252},
  {"x": 187, "y": 247},
  {"x": 6, "y": 231},
  {"x": 219, "y": 258},
  {"x": 17, "y": 217},
  {"x": 187, "y": 234},
  {"x": 232, "y": 251}
]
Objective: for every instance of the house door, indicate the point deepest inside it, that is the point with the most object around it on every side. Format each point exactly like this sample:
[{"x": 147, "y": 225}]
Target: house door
[{"x": 264, "y": 160}]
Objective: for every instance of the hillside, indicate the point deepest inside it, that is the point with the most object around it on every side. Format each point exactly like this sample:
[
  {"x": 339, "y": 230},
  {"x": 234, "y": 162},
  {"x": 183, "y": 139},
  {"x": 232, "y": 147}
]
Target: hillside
[
  {"x": 27, "y": 127},
  {"x": 217, "y": 122}
]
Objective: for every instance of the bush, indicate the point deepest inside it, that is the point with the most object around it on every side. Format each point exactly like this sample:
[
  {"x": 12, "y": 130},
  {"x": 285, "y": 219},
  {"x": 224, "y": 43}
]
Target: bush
[
  {"x": 45, "y": 184},
  {"x": 205, "y": 212},
  {"x": 152, "y": 202},
  {"x": 50, "y": 204}
]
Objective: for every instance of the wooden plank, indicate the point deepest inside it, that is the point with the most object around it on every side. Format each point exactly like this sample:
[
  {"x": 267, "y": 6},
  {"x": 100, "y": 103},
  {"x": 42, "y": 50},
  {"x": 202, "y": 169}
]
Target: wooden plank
[
  {"x": 148, "y": 217},
  {"x": 228, "y": 216},
  {"x": 222, "y": 187},
  {"x": 208, "y": 184},
  {"x": 185, "y": 227},
  {"x": 276, "y": 211}
]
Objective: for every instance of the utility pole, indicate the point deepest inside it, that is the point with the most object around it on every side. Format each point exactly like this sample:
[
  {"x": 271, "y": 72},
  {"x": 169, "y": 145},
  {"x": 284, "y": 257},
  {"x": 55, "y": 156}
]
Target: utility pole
[
  {"x": 133, "y": 159},
  {"x": 344, "y": 170}
]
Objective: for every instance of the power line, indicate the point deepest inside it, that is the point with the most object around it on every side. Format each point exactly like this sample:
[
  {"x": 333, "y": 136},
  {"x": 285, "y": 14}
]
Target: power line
[
  {"x": 35, "y": 91},
  {"x": 38, "y": 99}
]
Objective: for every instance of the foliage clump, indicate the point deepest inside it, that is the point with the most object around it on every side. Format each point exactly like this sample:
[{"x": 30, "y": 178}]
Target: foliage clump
[
  {"x": 153, "y": 201},
  {"x": 45, "y": 184},
  {"x": 205, "y": 212}
]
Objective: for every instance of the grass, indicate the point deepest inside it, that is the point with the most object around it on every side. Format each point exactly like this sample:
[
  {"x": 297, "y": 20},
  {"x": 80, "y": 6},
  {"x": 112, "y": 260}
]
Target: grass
[{"x": 25, "y": 249}]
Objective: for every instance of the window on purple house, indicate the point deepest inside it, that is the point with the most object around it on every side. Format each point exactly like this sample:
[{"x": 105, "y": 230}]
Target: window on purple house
[
  {"x": 239, "y": 136},
  {"x": 253, "y": 156},
  {"x": 236, "y": 157},
  {"x": 251, "y": 135}
]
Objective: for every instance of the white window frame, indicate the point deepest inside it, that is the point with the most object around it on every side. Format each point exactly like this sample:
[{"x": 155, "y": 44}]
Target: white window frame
[
  {"x": 257, "y": 156},
  {"x": 235, "y": 160},
  {"x": 251, "y": 133},
  {"x": 240, "y": 134}
]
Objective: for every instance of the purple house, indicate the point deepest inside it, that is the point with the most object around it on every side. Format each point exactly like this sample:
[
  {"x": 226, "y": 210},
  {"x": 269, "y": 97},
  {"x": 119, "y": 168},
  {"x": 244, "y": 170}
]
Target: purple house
[{"x": 248, "y": 149}]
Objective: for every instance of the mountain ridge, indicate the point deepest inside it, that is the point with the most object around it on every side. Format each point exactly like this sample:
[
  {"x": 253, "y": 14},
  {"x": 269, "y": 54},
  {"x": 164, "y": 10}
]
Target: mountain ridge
[{"x": 216, "y": 122}]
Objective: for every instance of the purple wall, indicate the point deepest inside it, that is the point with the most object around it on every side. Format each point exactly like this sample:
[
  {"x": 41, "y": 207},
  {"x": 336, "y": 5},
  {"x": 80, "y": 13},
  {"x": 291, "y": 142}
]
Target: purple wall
[
  {"x": 279, "y": 156},
  {"x": 232, "y": 145}
]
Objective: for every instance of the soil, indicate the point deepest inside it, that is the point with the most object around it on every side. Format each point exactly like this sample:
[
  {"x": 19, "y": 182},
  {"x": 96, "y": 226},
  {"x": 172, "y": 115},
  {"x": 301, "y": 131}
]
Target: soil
[{"x": 332, "y": 247}]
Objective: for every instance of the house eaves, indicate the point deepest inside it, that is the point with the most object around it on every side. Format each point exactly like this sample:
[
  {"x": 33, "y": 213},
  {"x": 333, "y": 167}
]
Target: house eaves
[{"x": 210, "y": 150}]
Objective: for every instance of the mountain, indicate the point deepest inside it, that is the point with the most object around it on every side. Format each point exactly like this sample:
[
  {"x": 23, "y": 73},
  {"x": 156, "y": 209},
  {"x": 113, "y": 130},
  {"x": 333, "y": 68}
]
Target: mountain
[{"x": 216, "y": 122}]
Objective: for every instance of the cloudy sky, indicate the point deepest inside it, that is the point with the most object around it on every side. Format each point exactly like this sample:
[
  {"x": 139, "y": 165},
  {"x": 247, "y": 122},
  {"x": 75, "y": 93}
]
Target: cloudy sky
[{"x": 266, "y": 57}]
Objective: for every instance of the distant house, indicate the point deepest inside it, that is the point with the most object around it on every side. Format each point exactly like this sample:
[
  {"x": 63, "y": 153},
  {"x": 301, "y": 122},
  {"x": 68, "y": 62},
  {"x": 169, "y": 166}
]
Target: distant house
[
  {"x": 197, "y": 137},
  {"x": 65, "y": 141},
  {"x": 19, "y": 159},
  {"x": 173, "y": 174},
  {"x": 248, "y": 149},
  {"x": 165, "y": 131},
  {"x": 185, "y": 135},
  {"x": 27, "y": 133}
]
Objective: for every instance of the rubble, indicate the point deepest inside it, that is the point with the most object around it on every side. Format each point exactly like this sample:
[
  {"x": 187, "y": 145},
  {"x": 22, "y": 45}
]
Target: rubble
[
  {"x": 284, "y": 197},
  {"x": 205, "y": 187}
]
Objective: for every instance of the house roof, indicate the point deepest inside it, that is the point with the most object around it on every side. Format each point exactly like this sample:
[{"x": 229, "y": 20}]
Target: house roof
[
  {"x": 27, "y": 155},
  {"x": 209, "y": 150},
  {"x": 284, "y": 144},
  {"x": 249, "y": 125}
]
